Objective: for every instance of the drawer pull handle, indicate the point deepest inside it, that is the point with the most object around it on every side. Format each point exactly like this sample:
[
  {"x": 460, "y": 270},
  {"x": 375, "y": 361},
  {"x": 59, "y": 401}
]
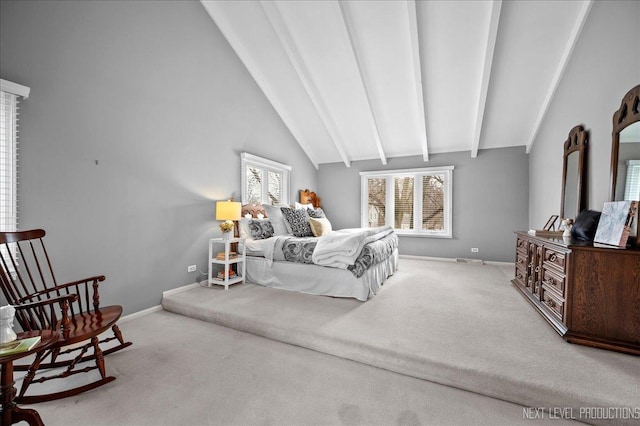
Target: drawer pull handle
[
  {"x": 551, "y": 303},
  {"x": 553, "y": 257},
  {"x": 537, "y": 269}
]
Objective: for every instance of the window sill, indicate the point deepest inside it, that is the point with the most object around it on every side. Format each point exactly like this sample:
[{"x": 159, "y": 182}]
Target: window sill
[{"x": 401, "y": 233}]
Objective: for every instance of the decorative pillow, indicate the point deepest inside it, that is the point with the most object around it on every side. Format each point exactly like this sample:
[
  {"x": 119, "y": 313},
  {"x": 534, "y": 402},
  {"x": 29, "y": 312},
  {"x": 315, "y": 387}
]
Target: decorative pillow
[
  {"x": 277, "y": 219},
  {"x": 260, "y": 229},
  {"x": 298, "y": 220},
  {"x": 316, "y": 213},
  {"x": 243, "y": 228},
  {"x": 303, "y": 206},
  {"x": 320, "y": 226}
]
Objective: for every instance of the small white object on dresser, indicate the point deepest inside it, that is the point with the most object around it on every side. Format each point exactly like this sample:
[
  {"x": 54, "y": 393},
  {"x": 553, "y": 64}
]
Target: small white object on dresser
[{"x": 227, "y": 276}]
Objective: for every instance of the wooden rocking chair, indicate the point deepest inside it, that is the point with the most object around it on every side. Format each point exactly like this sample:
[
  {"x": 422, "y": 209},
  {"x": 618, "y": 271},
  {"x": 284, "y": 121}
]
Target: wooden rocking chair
[{"x": 73, "y": 309}]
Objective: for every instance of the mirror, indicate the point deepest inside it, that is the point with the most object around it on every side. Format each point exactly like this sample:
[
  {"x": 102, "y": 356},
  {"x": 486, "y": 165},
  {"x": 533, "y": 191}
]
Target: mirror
[
  {"x": 625, "y": 149},
  {"x": 573, "y": 173}
]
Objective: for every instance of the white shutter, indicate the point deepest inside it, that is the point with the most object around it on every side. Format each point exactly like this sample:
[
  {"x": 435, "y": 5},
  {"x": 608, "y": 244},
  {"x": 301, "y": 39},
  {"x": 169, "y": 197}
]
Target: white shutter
[
  {"x": 10, "y": 94},
  {"x": 8, "y": 161}
]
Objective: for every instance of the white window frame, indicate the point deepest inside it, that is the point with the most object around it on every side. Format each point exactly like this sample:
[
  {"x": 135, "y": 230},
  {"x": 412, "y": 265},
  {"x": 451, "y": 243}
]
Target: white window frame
[
  {"x": 417, "y": 174},
  {"x": 250, "y": 160}
]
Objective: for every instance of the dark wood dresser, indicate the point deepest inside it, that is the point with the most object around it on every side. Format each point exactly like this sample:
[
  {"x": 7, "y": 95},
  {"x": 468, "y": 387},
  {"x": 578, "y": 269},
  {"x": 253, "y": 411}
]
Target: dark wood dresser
[{"x": 589, "y": 295}]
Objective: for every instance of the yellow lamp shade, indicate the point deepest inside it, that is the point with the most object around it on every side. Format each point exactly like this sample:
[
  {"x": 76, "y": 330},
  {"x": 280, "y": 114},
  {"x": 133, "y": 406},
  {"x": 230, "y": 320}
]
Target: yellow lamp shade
[{"x": 228, "y": 210}]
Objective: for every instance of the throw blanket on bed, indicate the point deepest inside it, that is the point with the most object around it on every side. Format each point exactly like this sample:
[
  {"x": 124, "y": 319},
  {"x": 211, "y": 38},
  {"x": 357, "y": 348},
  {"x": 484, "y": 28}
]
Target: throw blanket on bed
[
  {"x": 340, "y": 249},
  {"x": 353, "y": 249},
  {"x": 374, "y": 253}
]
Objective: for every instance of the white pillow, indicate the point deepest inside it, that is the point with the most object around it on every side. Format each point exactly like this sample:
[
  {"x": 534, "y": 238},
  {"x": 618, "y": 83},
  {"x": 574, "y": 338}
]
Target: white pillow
[
  {"x": 243, "y": 228},
  {"x": 320, "y": 227},
  {"x": 277, "y": 219},
  {"x": 304, "y": 206}
]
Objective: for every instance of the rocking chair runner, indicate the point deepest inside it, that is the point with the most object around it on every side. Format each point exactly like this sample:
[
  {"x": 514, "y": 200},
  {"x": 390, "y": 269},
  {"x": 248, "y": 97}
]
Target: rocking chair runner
[{"x": 73, "y": 309}]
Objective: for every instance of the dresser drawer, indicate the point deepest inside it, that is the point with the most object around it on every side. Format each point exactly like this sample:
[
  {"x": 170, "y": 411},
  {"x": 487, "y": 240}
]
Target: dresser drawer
[
  {"x": 522, "y": 245},
  {"x": 555, "y": 259},
  {"x": 553, "y": 303},
  {"x": 521, "y": 275},
  {"x": 554, "y": 281},
  {"x": 521, "y": 260}
]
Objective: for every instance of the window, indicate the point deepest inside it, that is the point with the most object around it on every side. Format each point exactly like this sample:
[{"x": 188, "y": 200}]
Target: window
[
  {"x": 414, "y": 202},
  {"x": 633, "y": 180},
  {"x": 263, "y": 181},
  {"x": 10, "y": 94}
]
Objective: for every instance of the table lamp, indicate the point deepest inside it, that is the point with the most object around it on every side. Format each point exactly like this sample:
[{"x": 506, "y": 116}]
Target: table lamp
[{"x": 229, "y": 211}]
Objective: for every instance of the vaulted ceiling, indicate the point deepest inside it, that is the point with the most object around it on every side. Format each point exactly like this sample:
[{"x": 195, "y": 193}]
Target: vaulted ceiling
[{"x": 356, "y": 80}]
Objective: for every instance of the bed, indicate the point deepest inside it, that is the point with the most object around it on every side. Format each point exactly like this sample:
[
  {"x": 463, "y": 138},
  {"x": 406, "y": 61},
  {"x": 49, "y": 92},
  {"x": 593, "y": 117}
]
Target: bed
[{"x": 351, "y": 263}]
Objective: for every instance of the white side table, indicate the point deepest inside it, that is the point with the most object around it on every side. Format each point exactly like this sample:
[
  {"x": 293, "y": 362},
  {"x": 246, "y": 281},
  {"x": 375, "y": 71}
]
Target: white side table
[{"x": 217, "y": 244}]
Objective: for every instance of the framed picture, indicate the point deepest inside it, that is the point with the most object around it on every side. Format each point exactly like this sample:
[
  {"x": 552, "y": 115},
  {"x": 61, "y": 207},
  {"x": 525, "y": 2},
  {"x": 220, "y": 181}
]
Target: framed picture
[
  {"x": 615, "y": 223},
  {"x": 550, "y": 225}
]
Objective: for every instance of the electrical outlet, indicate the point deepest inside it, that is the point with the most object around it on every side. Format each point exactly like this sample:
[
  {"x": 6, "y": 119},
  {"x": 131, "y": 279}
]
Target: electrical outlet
[
  {"x": 474, "y": 250},
  {"x": 191, "y": 268}
]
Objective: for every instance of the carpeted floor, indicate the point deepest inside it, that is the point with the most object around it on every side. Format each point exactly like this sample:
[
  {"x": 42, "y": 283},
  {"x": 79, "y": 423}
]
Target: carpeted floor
[
  {"x": 461, "y": 325},
  {"x": 182, "y": 371}
]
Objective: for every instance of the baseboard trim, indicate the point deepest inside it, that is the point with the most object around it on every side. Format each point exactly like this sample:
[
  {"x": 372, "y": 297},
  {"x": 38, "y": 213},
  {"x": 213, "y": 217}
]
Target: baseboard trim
[
  {"x": 181, "y": 289},
  {"x": 436, "y": 259},
  {"x": 454, "y": 260},
  {"x": 139, "y": 314}
]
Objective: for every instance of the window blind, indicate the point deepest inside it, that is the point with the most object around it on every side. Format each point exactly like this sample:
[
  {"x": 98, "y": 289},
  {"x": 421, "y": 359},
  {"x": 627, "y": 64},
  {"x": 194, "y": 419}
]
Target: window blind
[
  {"x": 403, "y": 205},
  {"x": 433, "y": 202},
  {"x": 632, "y": 184},
  {"x": 8, "y": 161},
  {"x": 377, "y": 201},
  {"x": 10, "y": 94}
]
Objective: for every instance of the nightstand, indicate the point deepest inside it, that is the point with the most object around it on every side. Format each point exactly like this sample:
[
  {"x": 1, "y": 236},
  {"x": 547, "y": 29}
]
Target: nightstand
[{"x": 226, "y": 258}]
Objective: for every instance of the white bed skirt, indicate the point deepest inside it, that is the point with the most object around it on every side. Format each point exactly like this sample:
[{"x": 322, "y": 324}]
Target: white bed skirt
[{"x": 314, "y": 279}]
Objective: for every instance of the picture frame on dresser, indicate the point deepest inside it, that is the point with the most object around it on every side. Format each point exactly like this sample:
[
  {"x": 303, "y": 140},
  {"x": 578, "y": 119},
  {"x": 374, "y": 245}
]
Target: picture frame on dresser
[
  {"x": 550, "y": 225},
  {"x": 615, "y": 222}
]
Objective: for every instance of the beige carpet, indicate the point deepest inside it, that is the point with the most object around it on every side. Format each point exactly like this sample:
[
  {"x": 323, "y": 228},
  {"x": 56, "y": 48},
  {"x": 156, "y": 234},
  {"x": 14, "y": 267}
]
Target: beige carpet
[
  {"x": 181, "y": 371},
  {"x": 461, "y": 325}
]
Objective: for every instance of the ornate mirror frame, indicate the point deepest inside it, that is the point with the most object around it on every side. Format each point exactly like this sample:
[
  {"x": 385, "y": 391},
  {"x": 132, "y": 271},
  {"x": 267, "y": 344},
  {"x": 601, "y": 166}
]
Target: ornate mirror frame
[
  {"x": 575, "y": 144},
  {"x": 626, "y": 115}
]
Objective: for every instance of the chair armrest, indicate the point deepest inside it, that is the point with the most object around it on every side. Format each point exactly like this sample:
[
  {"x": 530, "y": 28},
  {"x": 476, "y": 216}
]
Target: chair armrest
[
  {"x": 59, "y": 299},
  {"x": 96, "y": 279},
  {"x": 37, "y": 318}
]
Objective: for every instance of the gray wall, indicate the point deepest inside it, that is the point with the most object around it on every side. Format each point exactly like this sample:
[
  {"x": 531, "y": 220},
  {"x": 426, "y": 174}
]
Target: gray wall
[
  {"x": 605, "y": 64},
  {"x": 153, "y": 92},
  {"x": 490, "y": 201}
]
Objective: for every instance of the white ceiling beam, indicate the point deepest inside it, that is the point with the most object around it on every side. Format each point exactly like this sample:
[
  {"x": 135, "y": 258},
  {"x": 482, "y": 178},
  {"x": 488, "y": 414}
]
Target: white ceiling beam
[
  {"x": 356, "y": 46},
  {"x": 227, "y": 28},
  {"x": 279, "y": 26},
  {"x": 417, "y": 72},
  {"x": 581, "y": 18},
  {"x": 494, "y": 22}
]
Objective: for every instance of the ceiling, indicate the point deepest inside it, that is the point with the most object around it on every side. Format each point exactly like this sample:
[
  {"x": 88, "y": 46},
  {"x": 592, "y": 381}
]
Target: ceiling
[{"x": 360, "y": 80}]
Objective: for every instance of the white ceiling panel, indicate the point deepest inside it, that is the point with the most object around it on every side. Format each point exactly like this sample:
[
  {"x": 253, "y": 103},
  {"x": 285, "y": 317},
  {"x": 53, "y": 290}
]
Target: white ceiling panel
[
  {"x": 532, "y": 39},
  {"x": 453, "y": 38},
  {"x": 358, "y": 80}
]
